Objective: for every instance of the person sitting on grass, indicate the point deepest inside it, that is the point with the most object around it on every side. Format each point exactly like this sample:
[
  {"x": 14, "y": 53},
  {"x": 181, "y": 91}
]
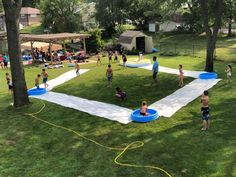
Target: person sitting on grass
[
  {"x": 143, "y": 109},
  {"x": 37, "y": 81},
  {"x": 120, "y": 94},
  {"x": 229, "y": 71},
  {"x": 205, "y": 110},
  {"x": 109, "y": 74},
  {"x": 181, "y": 76}
]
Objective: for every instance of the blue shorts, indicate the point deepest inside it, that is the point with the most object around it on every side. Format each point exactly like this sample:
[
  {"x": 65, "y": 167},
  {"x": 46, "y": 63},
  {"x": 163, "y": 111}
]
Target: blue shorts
[
  {"x": 205, "y": 113},
  {"x": 154, "y": 75},
  {"x": 45, "y": 80},
  {"x": 109, "y": 78}
]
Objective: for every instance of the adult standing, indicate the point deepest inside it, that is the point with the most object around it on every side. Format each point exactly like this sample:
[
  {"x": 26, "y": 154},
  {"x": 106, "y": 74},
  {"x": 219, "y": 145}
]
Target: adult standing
[{"x": 155, "y": 69}]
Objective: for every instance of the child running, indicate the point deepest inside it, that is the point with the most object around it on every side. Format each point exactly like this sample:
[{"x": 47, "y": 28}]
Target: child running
[
  {"x": 229, "y": 71},
  {"x": 77, "y": 67},
  {"x": 120, "y": 94},
  {"x": 98, "y": 59},
  {"x": 9, "y": 83},
  {"x": 143, "y": 109},
  {"x": 109, "y": 74},
  {"x": 205, "y": 110},
  {"x": 181, "y": 76},
  {"x": 45, "y": 77},
  {"x": 37, "y": 81}
]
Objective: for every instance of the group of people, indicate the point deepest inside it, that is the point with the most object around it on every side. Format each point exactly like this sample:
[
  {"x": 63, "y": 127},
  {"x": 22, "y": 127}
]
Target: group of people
[
  {"x": 44, "y": 74},
  {"x": 4, "y": 60},
  {"x": 110, "y": 55}
]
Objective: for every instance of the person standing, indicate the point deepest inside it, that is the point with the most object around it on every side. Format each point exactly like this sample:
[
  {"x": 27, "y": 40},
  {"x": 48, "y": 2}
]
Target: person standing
[
  {"x": 155, "y": 69},
  {"x": 99, "y": 59},
  {"x": 181, "y": 76},
  {"x": 109, "y": 74},
  {"x": 9, "y": 83},
  {"x": 124, "y": 58},
  {"x": 77, "y": 67},
  {"x": 229, "y": 71},
  {"x": 45, "y": 78},
  {"x": 205, "y": 110},
  {"x": 110, "y": 57},
  {"x": 5, "y": 61},
  {"x": 116, "y": 56}
]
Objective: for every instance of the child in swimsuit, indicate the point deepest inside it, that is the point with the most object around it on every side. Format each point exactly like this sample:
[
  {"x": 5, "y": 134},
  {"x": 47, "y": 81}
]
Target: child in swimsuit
[
  {"x": 124, "y": 59},
  {"x": 181, "y": 76},
  {"x": 109, "y": 75},
  {"x": 77, "y": 67},
  {"x": 9, "y": 82},
  {"x": 37, "y": 81},
  {"x": 45, "y": 77},
  {"x": 116, "y": 56},
  {"x": 98, "y": 59},
  {"x": 205, "y": 110},
  {"x": 120, "y": 94},
  {"x": 143, "y": 109},
  {"x": 229, "y": 71}
]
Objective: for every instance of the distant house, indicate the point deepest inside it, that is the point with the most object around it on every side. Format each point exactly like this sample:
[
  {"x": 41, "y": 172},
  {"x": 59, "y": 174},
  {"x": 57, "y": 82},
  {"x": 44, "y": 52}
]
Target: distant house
[
  {"x": 28, "y": 16},
  {"x": 168, "y": 25},
  {"x": 136, "y": 40}
]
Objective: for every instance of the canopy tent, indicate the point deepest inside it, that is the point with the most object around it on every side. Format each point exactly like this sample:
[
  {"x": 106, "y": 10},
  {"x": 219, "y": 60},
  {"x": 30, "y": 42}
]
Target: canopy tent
[
  {"x": 53, "y": 38},
  {"x": 40, "y": 45}
]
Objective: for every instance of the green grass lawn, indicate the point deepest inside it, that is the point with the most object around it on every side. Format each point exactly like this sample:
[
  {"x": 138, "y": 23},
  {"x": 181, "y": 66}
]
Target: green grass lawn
[
  {"x": 195, "y": 45},
  {"x": 33, "y": 29},
  {"x": 137, "y": 83},
  {"x": 30, "y": 148}
]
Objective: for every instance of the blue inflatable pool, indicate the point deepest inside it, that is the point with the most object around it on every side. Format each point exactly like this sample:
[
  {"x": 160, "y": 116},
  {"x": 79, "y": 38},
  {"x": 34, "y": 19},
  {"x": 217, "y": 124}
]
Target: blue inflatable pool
[
  {"x": 208, "y": 76},
  {"x": 36, "y": 91},
  {"x": 154, "y": 50},
  {"x": 152, "y": 115}
]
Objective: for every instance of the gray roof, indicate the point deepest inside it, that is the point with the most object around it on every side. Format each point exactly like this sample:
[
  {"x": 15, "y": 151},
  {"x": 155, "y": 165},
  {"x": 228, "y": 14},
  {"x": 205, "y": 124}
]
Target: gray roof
[{"x": 128, "y": 36}]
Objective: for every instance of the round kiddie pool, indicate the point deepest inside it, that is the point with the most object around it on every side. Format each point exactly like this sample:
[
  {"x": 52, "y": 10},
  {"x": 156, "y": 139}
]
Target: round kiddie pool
[
  {"x": 36, "y": 91},
  {"x": 152, "y": 115},
  {"x": 211, "y": 75},
  {"x": 71, "y": 64},
  {"x": 136, "y": 63}
]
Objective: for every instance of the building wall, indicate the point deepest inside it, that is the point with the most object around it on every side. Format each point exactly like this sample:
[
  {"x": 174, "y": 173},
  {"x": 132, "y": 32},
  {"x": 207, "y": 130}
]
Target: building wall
[{"x": 168, "y": 26}]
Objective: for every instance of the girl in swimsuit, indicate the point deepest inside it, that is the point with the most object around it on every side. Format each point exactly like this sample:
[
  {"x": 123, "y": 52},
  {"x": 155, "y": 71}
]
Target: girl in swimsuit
[
  {"x": 181, "y": 76},
  {"x": 229, "y": 71}
]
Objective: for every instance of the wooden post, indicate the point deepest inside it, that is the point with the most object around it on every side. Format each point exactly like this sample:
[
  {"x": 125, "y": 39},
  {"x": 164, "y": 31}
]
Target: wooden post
[
  {"x": 32, "y": 50},
  {"x": 50, "y": 52},
  {"x": 84, "y": 45}
]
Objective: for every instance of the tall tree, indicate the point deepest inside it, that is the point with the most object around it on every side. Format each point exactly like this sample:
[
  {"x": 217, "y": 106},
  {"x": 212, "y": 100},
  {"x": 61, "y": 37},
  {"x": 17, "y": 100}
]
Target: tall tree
[
  {"x": 212, "y": 26},
  {"x": 30, "y": 3},
  {"x": 109, "y": 13},
  {"x": 229, "y": 14},
  {"x": 12, "y": 13},
  {"x": 61, "y": 15}
]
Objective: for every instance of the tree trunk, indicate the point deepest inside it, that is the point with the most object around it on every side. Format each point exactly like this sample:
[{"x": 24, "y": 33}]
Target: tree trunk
[
  {"x": 12, "y": 13},
  {"x": 211, "y": 33},
  {"x": 230, "y": 26}
]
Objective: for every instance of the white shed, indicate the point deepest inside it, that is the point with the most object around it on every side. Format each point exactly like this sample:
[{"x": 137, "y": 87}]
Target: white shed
[{"x": 136, "y": 40}]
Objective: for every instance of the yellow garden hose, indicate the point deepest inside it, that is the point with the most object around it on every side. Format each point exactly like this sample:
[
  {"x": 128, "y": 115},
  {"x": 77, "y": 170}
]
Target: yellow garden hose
[{"x": 133, "y": 145}]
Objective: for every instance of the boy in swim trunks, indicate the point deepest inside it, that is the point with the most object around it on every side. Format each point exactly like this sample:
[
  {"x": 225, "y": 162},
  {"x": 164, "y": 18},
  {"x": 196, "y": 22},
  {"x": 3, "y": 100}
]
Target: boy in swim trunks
[
  {"x": 205, "y": 110},
  {"x": 109, "y": 75},
  {"x": 45, "y": 77},
  {"x": 37, "y": 81},
  {"x": 143, "y": 109},
  {"x": 181, "y": 76}
]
